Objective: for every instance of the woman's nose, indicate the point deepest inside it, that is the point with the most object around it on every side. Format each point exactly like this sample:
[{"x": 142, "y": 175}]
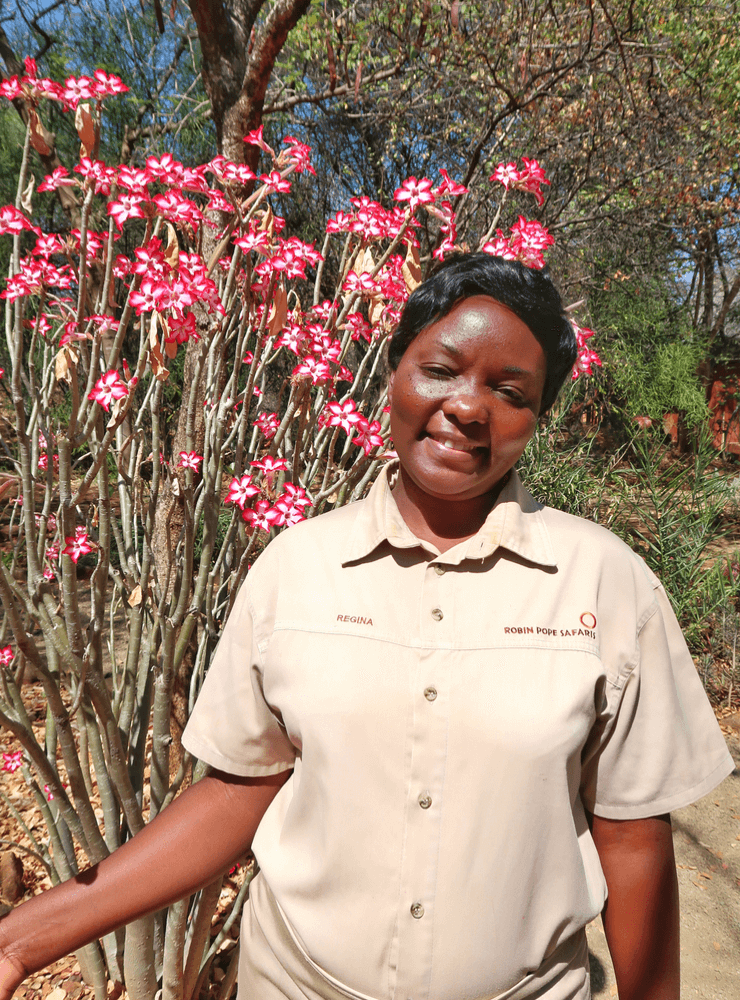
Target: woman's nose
[{"x": 468, "y": 407}]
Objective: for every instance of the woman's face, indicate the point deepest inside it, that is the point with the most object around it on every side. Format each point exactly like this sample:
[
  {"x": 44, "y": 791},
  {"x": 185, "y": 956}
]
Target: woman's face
[{"x": 465, "y": 399}]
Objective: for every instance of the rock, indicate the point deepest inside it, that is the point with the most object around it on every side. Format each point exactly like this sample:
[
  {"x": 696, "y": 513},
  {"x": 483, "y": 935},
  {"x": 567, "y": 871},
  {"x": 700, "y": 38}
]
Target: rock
[{"x": 11, "y": 877}]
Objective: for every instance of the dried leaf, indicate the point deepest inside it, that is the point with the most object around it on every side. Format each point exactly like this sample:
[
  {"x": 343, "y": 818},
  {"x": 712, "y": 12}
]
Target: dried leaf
[
  {"x": 278, "y": 311},
  {"x": 8, "y": 484},
  {"x": 57, "y": 994},
  {"x": 172, "y": 251},
  {"x": 375, "y": 311},
  {"x": 156, "y": 359},
  {"x": 358, "y": 79},
  {"x": 411, "y": 268},
  {"x": 85, "y": 128},
  {"x": 717, "y": 945},
  {"x": 267, "y": 222},
  {"x": 170, "y": 348},
  {"x": 175, "y": 486},
  {"x": 135, "y": 597},
  {"x": 41, "y": 140},
  {"x": 96, "y": 517},
  {"x": 65, "y": 360},
  {"x": 367, "y": 263},
  {"x": 27, "y": 196}
]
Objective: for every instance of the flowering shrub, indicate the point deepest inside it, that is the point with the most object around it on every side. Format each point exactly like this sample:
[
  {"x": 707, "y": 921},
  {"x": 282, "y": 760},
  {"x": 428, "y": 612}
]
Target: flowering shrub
[{"x": 284, "y": 414}]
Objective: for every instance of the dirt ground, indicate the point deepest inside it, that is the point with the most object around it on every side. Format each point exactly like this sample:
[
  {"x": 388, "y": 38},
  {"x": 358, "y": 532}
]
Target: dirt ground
[{"x": 706, "y": 838}]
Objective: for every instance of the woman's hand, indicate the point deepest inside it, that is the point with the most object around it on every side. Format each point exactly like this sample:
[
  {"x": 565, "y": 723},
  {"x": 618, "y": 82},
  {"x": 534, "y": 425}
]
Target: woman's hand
[
  {"x": 203, "y": 832},
  {"x": 11, "y": 977},
  {"x": 641, "y": 914}
]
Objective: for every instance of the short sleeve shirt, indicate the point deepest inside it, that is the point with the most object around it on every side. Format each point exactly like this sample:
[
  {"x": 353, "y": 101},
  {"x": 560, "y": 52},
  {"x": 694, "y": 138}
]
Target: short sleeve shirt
[{"x": 450, "y": 718}]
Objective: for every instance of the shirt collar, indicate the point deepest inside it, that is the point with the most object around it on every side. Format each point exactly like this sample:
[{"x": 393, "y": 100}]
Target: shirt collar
[{"x": 515, "y": 523}]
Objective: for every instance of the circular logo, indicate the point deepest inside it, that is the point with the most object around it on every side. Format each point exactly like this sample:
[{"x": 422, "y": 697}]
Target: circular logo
[{"x": 588, "y": 620}]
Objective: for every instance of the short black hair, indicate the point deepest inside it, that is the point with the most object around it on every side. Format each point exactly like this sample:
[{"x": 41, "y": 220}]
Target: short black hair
[{"x": 529, "y": 293}]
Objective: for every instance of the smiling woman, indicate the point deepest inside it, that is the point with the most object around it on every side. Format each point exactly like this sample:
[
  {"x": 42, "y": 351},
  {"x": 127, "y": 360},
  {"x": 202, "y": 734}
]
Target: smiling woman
[
  {"x": 465, "y": 399},
  {"x": 449, "y": 746}
]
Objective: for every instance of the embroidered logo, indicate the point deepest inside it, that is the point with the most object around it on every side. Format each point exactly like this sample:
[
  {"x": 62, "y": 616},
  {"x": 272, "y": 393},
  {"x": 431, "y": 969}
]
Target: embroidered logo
[
  {"x": 355, "y": 619},
  {"x": 587, "y": 620}
]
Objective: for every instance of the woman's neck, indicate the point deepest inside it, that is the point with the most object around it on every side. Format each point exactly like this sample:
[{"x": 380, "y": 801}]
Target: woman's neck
[{"x": 441, "y": 521}]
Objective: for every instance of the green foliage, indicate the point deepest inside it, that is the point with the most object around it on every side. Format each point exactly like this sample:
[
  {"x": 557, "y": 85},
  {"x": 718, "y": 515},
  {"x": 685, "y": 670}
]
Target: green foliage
[
  {"x": 560, "y": 466},
  {"x": 664, "y": 381},
  {"x": 12, "y": 135},
  {"x": 672, "y": 514},
  {"x": 651, "y": 354}
]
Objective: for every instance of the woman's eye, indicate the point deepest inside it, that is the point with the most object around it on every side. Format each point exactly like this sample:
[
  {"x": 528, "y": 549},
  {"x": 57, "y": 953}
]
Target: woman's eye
[
  {"x": 434, "y": 371},
  {"x": 514, "y": 395}
]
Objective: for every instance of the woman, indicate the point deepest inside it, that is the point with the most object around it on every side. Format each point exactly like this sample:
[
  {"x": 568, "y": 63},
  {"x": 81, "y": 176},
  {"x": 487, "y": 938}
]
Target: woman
[{"x": 461, "y": 715}]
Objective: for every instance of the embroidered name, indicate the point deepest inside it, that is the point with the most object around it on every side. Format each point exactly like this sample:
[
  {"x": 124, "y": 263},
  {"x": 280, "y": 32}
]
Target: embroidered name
[{"x": 355, "y": 619}]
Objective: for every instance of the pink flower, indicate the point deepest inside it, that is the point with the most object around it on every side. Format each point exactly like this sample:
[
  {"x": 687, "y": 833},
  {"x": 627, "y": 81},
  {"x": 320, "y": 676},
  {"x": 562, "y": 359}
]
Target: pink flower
[
  {"x": 274, "y": 182},
  {"x": 270, "y": 466},
  {"x": 133, "y": 179},
  {"x": 344, "y": 415},
  {"x": 259, "y": 241},
  {"x": 532, "y": 177},
  {"x": 177, "y": 209},
  {"x": 584, "y": 362},
  {"x": 77, "y": 546},
  {"x": 128, "y": 206},
  {"x": 76, "y": 90},
  {"x": 292, "y": 337},
  {"x": 6, "y": 655},
  {"x": 12, "y": 761},
  {"x": 369, "y": 437},
  {"x": 506, "y": 174},
  {"x": 107, "y": 84},
  {"x": 415, "y": 192},
  {"x": 189, "y": 460},
  {"x": 268, "y": 423},
  {"x": 300, "y": 154},
  {"x": 11, "y": 88},
  {"x": 241, "y": 490},
  {"x": 291, "y": 504},
  {"x": 342, "y": 222},
  {"x": 448, "y": 186},
  {"x": 231, "y": 173},
  {"x": 164, "y": 168},
  {"x": 12, "y": 221},
  {"x": 108, "y": 388},
  {"x": 254, "y": 138},
  {"x": 314, "y": 369},
  {"x": 263, "y": 516},
  {"x": 361, "y": 283},
  {"x": 57, "y": 178},
  {"x": 359, "y": 326},
  {"x": 47, "y": 244}
]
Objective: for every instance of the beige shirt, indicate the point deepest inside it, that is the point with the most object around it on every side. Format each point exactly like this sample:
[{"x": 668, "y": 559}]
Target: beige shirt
[{"x": 449, "y": 719}]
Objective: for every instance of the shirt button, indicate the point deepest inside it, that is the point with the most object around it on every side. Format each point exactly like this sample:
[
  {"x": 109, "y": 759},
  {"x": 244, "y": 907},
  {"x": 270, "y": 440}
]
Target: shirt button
[
  {"x": 417, "y": 911},
  {"x": 439, "y": 570},
  {"x": 425, "y": 800},
  {"x": 430, "y": 693},
  {"x": 437, "y": 615}
]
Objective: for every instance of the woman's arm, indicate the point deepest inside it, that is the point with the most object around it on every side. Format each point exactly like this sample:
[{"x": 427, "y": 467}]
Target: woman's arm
[
  {"x": 641, "y": 913},
  {"x": 200, "y": 834}
]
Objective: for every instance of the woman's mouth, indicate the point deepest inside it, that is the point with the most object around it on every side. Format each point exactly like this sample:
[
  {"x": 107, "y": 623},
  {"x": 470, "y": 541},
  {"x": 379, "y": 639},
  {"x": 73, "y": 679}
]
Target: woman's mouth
[{"x": 458, "y": 445}]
